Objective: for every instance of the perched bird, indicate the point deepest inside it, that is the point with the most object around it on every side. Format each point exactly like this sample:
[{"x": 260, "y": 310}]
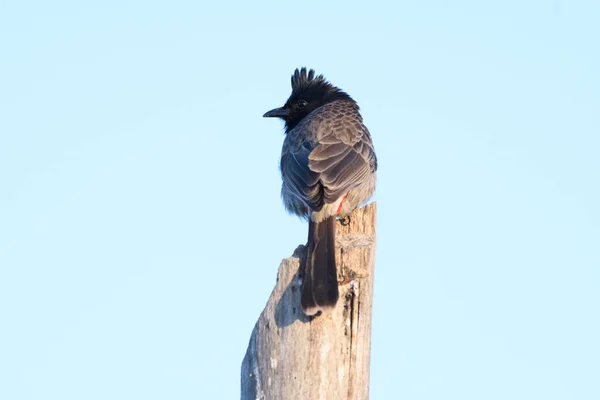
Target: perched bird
[{"x": 328, "y": 167}]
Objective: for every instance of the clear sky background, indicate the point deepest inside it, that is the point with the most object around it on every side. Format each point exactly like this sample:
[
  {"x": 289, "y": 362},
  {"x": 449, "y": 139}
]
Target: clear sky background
[{"x": 140, "y": 221}]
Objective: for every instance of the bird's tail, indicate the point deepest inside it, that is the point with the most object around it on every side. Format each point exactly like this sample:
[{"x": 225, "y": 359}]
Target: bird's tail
[{"x": 319, "y": 285}]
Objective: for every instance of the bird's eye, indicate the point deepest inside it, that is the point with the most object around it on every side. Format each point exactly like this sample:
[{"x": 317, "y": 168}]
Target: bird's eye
[{"x": 302, "y": 104}]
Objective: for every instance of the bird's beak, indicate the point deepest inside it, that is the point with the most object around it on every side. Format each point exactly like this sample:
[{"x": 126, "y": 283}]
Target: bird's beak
[{"x": 280, "y": 112}]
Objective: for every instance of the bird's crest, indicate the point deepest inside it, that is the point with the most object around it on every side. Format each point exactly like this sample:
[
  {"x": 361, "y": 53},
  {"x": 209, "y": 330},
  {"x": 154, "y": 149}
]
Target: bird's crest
[{"x": 303, "y": 79}]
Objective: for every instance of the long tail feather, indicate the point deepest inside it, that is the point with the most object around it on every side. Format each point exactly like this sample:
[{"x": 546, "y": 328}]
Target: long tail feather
[{"x": 320, "y": 280}]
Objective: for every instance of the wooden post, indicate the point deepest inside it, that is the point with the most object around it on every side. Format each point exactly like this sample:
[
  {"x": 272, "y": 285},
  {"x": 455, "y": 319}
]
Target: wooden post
[{"x": 293, "y": 357}]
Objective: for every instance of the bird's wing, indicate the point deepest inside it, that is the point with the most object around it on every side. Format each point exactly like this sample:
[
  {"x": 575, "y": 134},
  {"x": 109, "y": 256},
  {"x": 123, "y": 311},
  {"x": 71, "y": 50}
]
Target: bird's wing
[
  {"x": 343, "y": 158},
  {"x": 332, "y": 159},
  {"x": 298, "y": 179}
]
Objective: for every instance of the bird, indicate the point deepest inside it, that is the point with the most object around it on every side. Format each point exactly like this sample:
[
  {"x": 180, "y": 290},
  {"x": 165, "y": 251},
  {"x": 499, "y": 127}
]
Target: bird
[{"x": 328, "y": 168}]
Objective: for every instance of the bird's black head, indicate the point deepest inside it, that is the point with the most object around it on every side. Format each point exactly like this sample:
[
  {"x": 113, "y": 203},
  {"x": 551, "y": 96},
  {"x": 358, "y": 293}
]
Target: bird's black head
[{"x": 309, "y": 92}]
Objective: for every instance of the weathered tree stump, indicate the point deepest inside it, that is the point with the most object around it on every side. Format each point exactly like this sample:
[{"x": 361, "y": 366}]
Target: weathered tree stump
[{"x": 291, "y": 356}]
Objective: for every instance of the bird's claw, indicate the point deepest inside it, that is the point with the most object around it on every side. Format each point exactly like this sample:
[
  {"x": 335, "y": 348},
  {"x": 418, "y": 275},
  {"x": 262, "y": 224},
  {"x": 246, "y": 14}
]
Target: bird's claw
[{"x": 345, "y": 221}]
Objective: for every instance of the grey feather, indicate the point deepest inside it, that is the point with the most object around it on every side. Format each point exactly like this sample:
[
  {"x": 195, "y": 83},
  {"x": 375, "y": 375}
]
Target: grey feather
[{"x": 328, "y": 154}]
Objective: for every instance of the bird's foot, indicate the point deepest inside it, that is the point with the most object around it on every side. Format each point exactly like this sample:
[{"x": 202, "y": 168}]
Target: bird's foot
[{"x": 345, "y": 221}]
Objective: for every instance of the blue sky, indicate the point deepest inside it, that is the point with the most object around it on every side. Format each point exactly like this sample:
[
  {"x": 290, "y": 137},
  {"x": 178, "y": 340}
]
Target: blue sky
[{"x": 140, "y": 220}]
